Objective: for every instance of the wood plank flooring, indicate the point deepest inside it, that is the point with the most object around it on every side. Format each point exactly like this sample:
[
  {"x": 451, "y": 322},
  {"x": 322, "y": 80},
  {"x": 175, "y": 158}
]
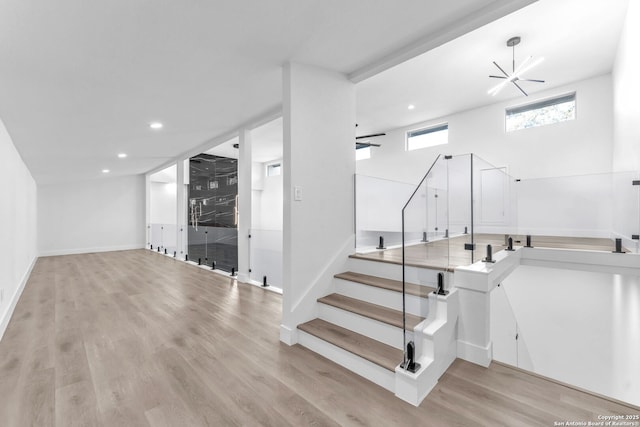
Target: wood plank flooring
[
  {"x": 135, "y": 338},
  {"x": 447, "y": 254}
]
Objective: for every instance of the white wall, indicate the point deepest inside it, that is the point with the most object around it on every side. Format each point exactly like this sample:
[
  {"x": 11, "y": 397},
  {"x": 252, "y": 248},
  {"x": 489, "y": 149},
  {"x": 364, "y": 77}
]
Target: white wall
[
  {"x": 576, "y": 147},
  {"x": 626, "y": 129},
  {"x": 270, "y": 217},
  {"x": 318, "y": 123},
  {"x": 626, "y": 87},
  {"x": 579, "y": 327},
  {"x": 163, "y": 202},
  {"x": 266, "y": 198},
  {"x": 89, "y": 216},
  {"x": 266, "y": 225},
  {"x": 18, "y": 222}
]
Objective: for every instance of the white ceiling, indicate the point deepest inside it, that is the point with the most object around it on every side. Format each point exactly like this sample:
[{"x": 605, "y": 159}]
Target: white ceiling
[
  {"x": 80, "y": 80},
  {"x": 266, "y": 143},
  {"x": 166, "y": 175},
  {"x": 577, "y": 38}
]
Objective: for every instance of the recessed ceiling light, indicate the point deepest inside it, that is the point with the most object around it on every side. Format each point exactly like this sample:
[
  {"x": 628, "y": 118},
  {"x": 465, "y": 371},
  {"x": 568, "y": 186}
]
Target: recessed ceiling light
[
  {"x": 122, "y": 155},
  {"x": 155, "y": 125},
  {"x": 411, "y": 107},
  {"x": 105, "y": 171}
]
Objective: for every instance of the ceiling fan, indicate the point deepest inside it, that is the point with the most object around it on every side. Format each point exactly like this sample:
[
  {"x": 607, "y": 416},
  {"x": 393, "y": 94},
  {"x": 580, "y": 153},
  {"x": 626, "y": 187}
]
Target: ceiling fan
[
  {"x": 514, "y": 77},
  {"x": 367, "y": 144}
]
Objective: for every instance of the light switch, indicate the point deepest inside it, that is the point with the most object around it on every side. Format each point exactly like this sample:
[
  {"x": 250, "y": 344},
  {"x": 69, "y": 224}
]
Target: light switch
[{"x": 297, "y": 194}]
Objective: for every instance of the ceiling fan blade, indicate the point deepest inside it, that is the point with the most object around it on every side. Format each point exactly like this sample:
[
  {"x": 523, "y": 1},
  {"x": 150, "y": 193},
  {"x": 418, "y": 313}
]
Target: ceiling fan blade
[
  {"x": 498, "y": 77},
  {"x": 531, "y": 80},
  {"x": 370, "y": 136},
  {"x": 500, "y": 68},
  {"x": 365, "y": 145},
  {"x": 516, "y": 84}
]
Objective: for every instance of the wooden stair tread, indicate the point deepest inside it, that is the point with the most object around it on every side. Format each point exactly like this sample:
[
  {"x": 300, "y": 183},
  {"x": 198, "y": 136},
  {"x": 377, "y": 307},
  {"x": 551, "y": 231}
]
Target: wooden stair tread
[
  {"x": 389, "y": 284},
  {"x": 374, "y": 351},
  {"x": 380, "y": 256},
  {"x": 372, "y": 311}
]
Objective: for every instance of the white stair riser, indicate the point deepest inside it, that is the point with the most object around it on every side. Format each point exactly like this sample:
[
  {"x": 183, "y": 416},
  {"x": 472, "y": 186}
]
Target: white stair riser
[
  {"x": 391, "y": 299},
  {"x": 371, "y": 328},
  {"x": 374, "y": 373}
]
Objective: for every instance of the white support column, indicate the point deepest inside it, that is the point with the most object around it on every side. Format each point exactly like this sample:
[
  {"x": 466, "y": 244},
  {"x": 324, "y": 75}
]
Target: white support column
[
  {"x": 147, "y": 209},
  {"x": 244, "y": 204},
  {"x": 181, "y": 207},
  {"x": 474, "y": 284},
  {"x": 318, "y": 169}
]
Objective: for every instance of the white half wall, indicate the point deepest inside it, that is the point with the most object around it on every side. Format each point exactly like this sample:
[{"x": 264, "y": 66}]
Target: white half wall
[
  {"x": 92, "y": 216},
  {"x": 626, "y": 87},
  {"x": 576, "y": 147},
  {"x": 319, "y": 132},
  {"x": 18, "y": 222}
]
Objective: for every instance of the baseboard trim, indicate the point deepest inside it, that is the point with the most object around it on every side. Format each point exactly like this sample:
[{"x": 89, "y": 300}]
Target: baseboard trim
[
  {"x": 6, "y": 316},
  {"x": 474, "y": 353},
  {"x": 288, "y": 336},
  {"x": 267, "y": 288},
  {"x": 91, "y": 250}
]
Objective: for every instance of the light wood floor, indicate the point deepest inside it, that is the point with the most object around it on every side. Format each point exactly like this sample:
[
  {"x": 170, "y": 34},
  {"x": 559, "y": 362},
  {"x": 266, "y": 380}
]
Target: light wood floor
[
  {"x": 447, "y": 254},
  {"x": 136, "y": 338}
]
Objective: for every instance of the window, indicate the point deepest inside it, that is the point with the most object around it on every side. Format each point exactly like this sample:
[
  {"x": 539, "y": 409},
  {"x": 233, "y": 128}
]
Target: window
[
  {"x": 363, "y": 153},
  {"x": 549, "y": 111},
  {"x": 428, "y": 137},
  {"x": 274, "y": 169}
]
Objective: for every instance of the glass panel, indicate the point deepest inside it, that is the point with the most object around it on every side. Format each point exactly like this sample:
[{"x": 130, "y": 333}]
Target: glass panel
[
  {"x": 214, "y": 244},
  {"x": 418, "y": 225},
  {"x": 181, "y": 249},
  {"x": 169, "y": 234},
  {"x": 459, "y": 212},
  {"x": 266, "y": 256},
  {"x": 163, "y": 238},
  {"x": 437, "y": 207},
  {"x": 213, "y": 213},
  {"x": 378, "y": 205},
  {"x": 425, "y": 220},
  {"x": 157, "y": 239},
  {"x": 425, "y": 233},
  {"x": 578, "y": 207},
  {"x": 197, "y": 244},
  {"x": 626, "y": 209},
  {"x": 494, "y": 208},
  {"x": 163, "y": 205}
]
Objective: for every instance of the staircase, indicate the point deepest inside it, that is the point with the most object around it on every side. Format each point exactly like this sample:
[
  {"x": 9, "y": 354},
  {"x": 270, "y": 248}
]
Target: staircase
[{"x": 359, "y": 326}]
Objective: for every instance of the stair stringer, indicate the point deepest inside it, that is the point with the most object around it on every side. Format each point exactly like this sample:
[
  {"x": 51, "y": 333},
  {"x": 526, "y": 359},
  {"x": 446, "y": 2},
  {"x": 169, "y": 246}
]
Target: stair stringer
[
  {"x": 304, "y": 307},
  {"x": 436, "y": 349}
]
